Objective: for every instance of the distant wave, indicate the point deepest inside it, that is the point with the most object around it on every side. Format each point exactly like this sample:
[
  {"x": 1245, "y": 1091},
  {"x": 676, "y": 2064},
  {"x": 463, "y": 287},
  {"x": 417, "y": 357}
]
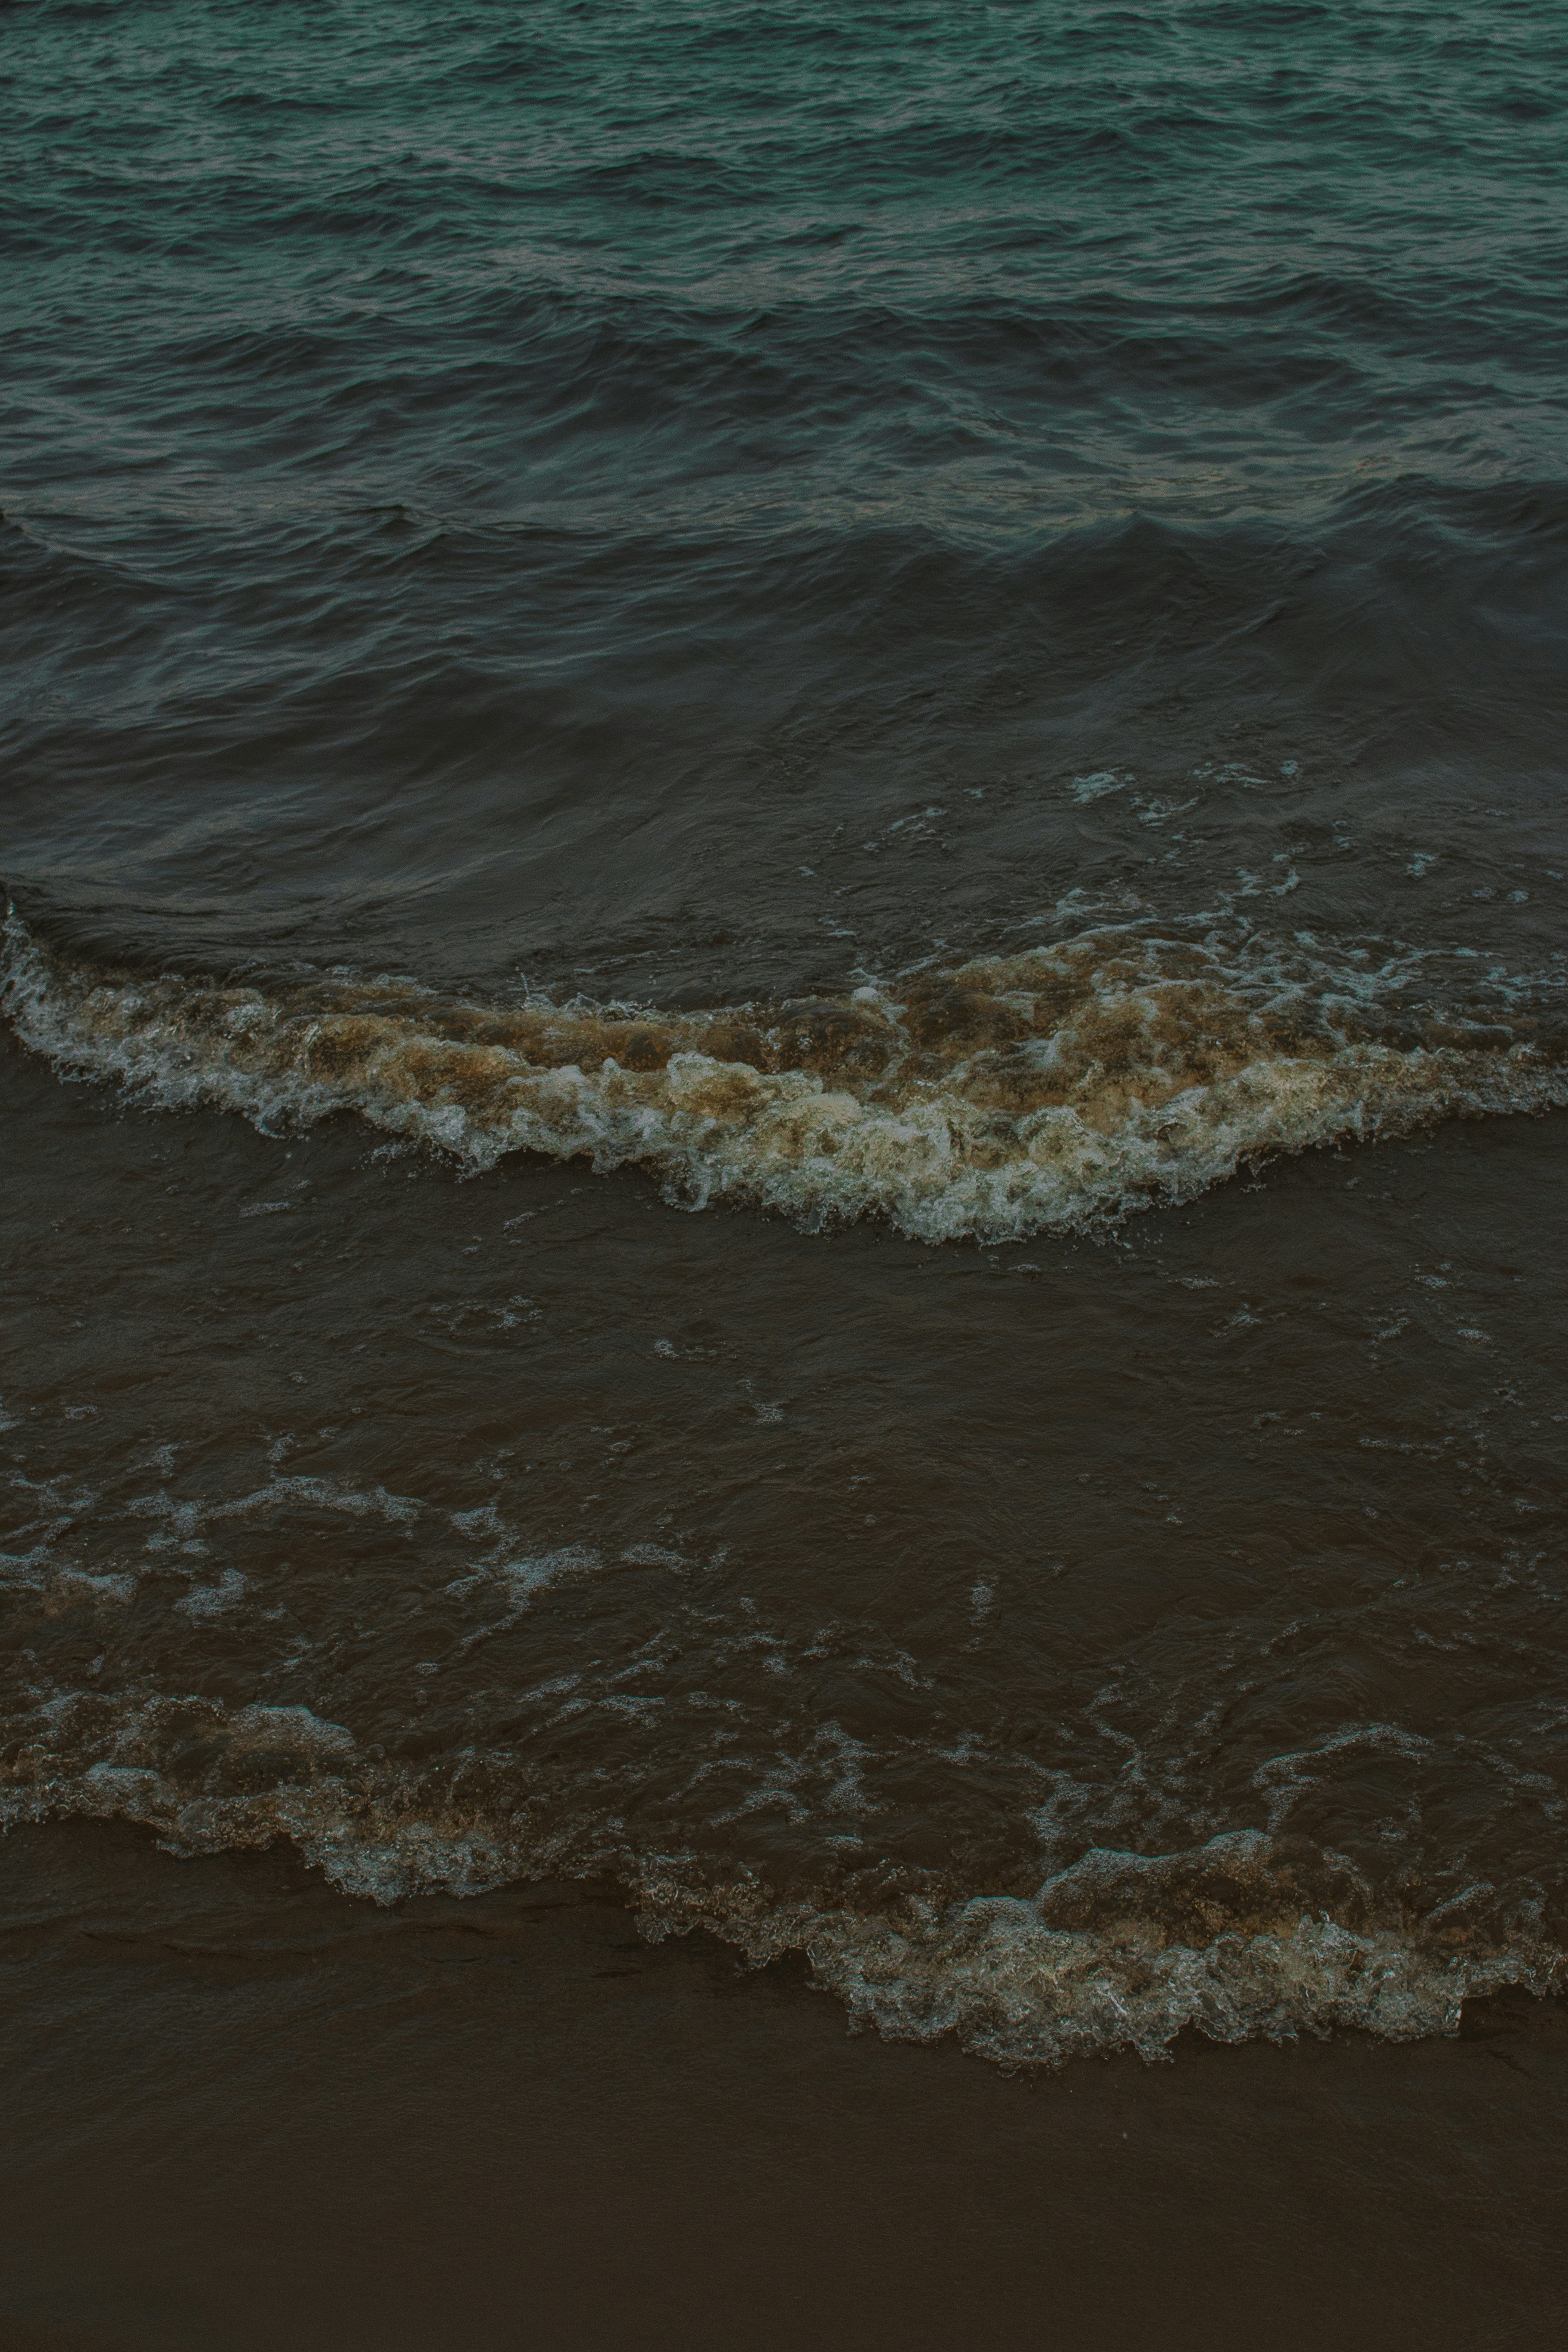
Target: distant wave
[{"x": 994, "y": 1099}]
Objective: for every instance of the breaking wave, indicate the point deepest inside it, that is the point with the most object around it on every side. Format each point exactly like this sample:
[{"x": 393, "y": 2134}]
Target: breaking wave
[
  {"x": 997, "y": 1099},
  {"x": 1245, "y": 1937}
]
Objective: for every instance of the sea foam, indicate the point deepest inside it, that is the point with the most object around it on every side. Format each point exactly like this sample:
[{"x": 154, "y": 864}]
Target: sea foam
[
  {"x": 997, "y": 1099},
  {"x": 1242, "y": 1938}
]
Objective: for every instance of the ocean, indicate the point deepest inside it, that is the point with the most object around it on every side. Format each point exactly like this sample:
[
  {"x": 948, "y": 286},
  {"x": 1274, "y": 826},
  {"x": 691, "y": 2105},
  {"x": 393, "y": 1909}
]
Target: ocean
[{"x": 786, "y": 996}]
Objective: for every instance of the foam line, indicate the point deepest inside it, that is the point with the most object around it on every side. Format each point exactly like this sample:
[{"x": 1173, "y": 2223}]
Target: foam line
[{"x": 994, "y": 1099}]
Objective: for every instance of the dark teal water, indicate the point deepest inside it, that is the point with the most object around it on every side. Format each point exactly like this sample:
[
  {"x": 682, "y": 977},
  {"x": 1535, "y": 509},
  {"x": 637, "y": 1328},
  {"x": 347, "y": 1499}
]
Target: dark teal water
[
  {"x": 494, "y": 484},
  {"x": 927, "y": 624}
]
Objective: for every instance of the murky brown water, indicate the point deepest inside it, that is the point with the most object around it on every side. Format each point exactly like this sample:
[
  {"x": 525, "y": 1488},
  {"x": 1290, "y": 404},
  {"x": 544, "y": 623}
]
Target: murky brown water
[
  {"x": 782, "y": 1093},
  {"x": 1059, "y": 1643},
  {"x": 242, "y": 2110}
]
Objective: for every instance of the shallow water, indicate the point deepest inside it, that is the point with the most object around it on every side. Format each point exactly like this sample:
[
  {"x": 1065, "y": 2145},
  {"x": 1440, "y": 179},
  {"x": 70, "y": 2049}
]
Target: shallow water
[
  {"x": 788, "y": 984},
  {"x": 289, "y": 2118}
]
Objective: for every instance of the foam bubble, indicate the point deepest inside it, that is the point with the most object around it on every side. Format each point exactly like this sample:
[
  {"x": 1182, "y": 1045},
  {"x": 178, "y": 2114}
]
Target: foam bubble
[
  {"x": 995, "y": 1098},
  {"x": 1243, "y": 1939},
  {"x": 1246, "y": 1937}
]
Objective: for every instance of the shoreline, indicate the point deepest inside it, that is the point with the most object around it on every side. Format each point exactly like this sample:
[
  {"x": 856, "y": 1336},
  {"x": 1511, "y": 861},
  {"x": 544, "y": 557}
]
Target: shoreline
[{"x": 244, "y": 2107}]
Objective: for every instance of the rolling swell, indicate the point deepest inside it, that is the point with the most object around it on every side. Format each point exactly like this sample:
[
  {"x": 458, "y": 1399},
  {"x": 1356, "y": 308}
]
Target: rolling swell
[
  {"x": 670, "y": 724},
  {"x": 993, "y": 1098}
]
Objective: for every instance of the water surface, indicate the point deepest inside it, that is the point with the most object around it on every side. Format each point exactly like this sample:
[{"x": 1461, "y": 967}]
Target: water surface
[{"x": 787, "y": 981}]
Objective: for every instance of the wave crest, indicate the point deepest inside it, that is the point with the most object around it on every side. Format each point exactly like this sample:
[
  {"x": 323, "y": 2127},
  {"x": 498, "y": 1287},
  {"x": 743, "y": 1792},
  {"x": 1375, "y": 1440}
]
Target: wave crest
[
  {"x": 995, "y": 1098},
  {"x": 1246, "y": 1938}
]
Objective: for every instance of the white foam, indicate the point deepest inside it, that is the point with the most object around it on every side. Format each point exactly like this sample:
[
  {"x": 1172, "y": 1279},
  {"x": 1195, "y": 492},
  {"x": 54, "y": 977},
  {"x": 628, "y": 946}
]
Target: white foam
[
  {"x": 567, "y": 1564},
  {"x": 995, "y": 1099},
  {"x": 213, "y": 1600},
  {"x": 1010, "y": 1982},
  {"x": 1102, "y": 1957}
]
